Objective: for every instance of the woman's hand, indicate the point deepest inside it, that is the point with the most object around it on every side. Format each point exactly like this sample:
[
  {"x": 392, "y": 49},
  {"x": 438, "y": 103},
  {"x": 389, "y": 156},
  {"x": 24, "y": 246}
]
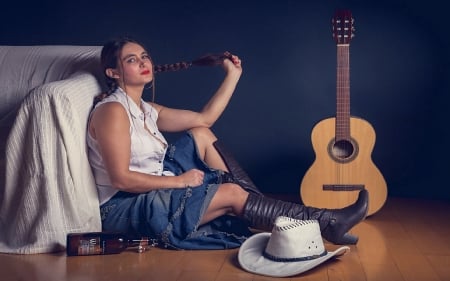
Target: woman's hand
[
  {"x": 232, "y": 65},
  {"x": 191, "y": 178}
]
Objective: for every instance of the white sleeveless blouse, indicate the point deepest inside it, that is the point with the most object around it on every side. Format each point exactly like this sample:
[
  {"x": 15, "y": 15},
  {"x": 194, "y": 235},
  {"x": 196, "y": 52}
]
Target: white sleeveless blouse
[{"x": 148, "y": 147}]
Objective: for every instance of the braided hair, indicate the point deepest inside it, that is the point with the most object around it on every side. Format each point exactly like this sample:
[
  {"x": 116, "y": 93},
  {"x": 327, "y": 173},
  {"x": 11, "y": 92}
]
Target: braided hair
[
  {"x": 207, "y": 60},
  {"x": 110, "y": 54}
]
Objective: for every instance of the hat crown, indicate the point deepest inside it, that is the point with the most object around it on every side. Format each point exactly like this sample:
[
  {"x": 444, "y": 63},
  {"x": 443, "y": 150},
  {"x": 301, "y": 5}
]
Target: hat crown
[{"x": 295, "y": 240}]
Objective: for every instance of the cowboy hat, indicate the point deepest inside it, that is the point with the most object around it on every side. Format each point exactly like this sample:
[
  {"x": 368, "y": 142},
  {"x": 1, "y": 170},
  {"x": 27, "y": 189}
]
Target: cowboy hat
[{"x": 293, "y": 247}]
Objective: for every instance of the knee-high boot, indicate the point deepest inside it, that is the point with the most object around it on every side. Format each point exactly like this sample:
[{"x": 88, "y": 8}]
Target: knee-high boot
[
  {"x": 261, "y": 213},
  {"x": 236, "y": 174}
]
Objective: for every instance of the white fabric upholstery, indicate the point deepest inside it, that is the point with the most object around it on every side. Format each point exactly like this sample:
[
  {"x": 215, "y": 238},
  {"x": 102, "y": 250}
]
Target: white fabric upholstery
[
  {"x": 47, "y": 185},
  {"x": 23, "y": 68}
]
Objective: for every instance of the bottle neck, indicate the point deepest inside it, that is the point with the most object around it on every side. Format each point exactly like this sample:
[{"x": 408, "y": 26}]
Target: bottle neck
[{"x": 142, "y": 244}]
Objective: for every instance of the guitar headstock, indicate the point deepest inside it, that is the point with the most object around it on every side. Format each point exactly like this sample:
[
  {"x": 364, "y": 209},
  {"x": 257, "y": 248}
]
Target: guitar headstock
[{"x": 342, "y": 25}]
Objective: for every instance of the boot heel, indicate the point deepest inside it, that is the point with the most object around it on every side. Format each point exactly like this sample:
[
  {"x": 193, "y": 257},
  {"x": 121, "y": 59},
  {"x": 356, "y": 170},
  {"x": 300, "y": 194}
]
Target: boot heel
[{"x": 347, "y": 239}]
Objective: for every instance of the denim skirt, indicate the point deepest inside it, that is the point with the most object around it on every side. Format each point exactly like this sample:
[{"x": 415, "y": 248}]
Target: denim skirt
[{"x": 172, "y": 216}]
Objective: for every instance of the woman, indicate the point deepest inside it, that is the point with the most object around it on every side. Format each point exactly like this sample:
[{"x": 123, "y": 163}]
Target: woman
[{"x": 191, "y": 194}]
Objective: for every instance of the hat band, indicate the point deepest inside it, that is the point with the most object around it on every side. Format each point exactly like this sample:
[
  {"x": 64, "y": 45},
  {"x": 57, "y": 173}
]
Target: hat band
[{"x": 280, "y": 259}]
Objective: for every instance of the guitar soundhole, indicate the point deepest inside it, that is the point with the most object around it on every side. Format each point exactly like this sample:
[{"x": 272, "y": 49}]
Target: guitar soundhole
[{"x": 343, "y": 150}]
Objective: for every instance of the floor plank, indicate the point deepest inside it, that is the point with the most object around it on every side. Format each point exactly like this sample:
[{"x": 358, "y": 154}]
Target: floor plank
[{"x": 407, "y": 240}]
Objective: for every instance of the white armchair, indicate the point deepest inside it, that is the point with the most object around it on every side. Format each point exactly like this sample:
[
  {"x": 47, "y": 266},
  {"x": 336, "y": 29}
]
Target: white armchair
[{"x": 46, "y": 185}]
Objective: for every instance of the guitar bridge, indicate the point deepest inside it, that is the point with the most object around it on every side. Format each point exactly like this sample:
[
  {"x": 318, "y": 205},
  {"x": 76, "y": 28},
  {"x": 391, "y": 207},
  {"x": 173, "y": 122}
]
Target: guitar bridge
[{"x": 343, "y": 187}]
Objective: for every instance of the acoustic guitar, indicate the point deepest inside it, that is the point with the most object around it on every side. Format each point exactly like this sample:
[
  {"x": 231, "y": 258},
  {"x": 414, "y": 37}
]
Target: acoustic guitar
[{"x": 343, "y": 144}]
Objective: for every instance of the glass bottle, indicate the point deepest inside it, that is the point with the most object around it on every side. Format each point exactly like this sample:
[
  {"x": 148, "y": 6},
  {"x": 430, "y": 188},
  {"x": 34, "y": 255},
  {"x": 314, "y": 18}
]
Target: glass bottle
[{"x": 102, "y": 243}]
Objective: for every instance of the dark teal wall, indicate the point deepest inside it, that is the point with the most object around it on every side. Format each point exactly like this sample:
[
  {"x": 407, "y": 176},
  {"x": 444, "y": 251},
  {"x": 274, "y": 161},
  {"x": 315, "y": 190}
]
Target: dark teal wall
[{"x": 399, "y": 74}]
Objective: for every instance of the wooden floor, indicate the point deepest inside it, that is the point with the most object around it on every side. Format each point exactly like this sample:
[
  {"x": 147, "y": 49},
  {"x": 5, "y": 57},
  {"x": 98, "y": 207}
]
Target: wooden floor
[{"x": 407, "y": 240}]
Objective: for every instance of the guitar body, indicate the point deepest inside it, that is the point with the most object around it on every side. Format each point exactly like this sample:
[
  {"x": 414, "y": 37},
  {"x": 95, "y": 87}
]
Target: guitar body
[{"x": 342, "y": 168}]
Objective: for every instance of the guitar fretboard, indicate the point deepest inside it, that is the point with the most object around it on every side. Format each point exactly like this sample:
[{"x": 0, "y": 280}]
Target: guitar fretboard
[{"x": 343, "y": 93}]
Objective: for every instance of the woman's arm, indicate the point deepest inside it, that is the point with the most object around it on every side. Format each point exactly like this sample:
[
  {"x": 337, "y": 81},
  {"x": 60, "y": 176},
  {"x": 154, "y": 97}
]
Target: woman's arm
[
  {"x": 175, "y": 120},
  {"x": 110, "y": 126}
]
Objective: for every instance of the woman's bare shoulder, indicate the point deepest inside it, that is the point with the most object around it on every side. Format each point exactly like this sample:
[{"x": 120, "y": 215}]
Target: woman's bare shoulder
[{"x": 111, "y": 112}]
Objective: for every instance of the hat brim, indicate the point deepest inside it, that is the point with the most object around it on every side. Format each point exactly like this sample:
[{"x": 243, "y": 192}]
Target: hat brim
[{"x": 251, "y": 258}]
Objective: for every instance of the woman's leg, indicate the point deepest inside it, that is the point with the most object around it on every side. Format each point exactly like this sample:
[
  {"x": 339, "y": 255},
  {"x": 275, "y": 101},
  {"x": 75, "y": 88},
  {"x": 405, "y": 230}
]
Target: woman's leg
[
  {"x": 204, "y": 139},
  {"x": 218, "y": 157},
  {"x": 260, "y": 212},
  {"x": 230, "y": 198}
]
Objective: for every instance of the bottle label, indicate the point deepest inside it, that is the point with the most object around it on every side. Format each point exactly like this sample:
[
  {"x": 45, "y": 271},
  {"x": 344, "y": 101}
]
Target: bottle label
[{"x": 89, "y": 246}]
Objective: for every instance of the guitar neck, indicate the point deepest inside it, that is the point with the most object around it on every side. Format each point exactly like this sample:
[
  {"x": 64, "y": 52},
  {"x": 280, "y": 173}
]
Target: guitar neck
[{"x": 343, "y": 92}]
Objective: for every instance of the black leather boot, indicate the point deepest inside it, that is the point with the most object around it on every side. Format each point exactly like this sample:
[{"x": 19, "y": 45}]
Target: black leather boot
[
  {"x": 261, "y": 213},
  {"x": 236, "y": 174}
]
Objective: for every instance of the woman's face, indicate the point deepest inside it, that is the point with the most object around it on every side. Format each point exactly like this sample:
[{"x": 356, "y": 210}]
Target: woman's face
[{"x": 135, "y": 67}]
